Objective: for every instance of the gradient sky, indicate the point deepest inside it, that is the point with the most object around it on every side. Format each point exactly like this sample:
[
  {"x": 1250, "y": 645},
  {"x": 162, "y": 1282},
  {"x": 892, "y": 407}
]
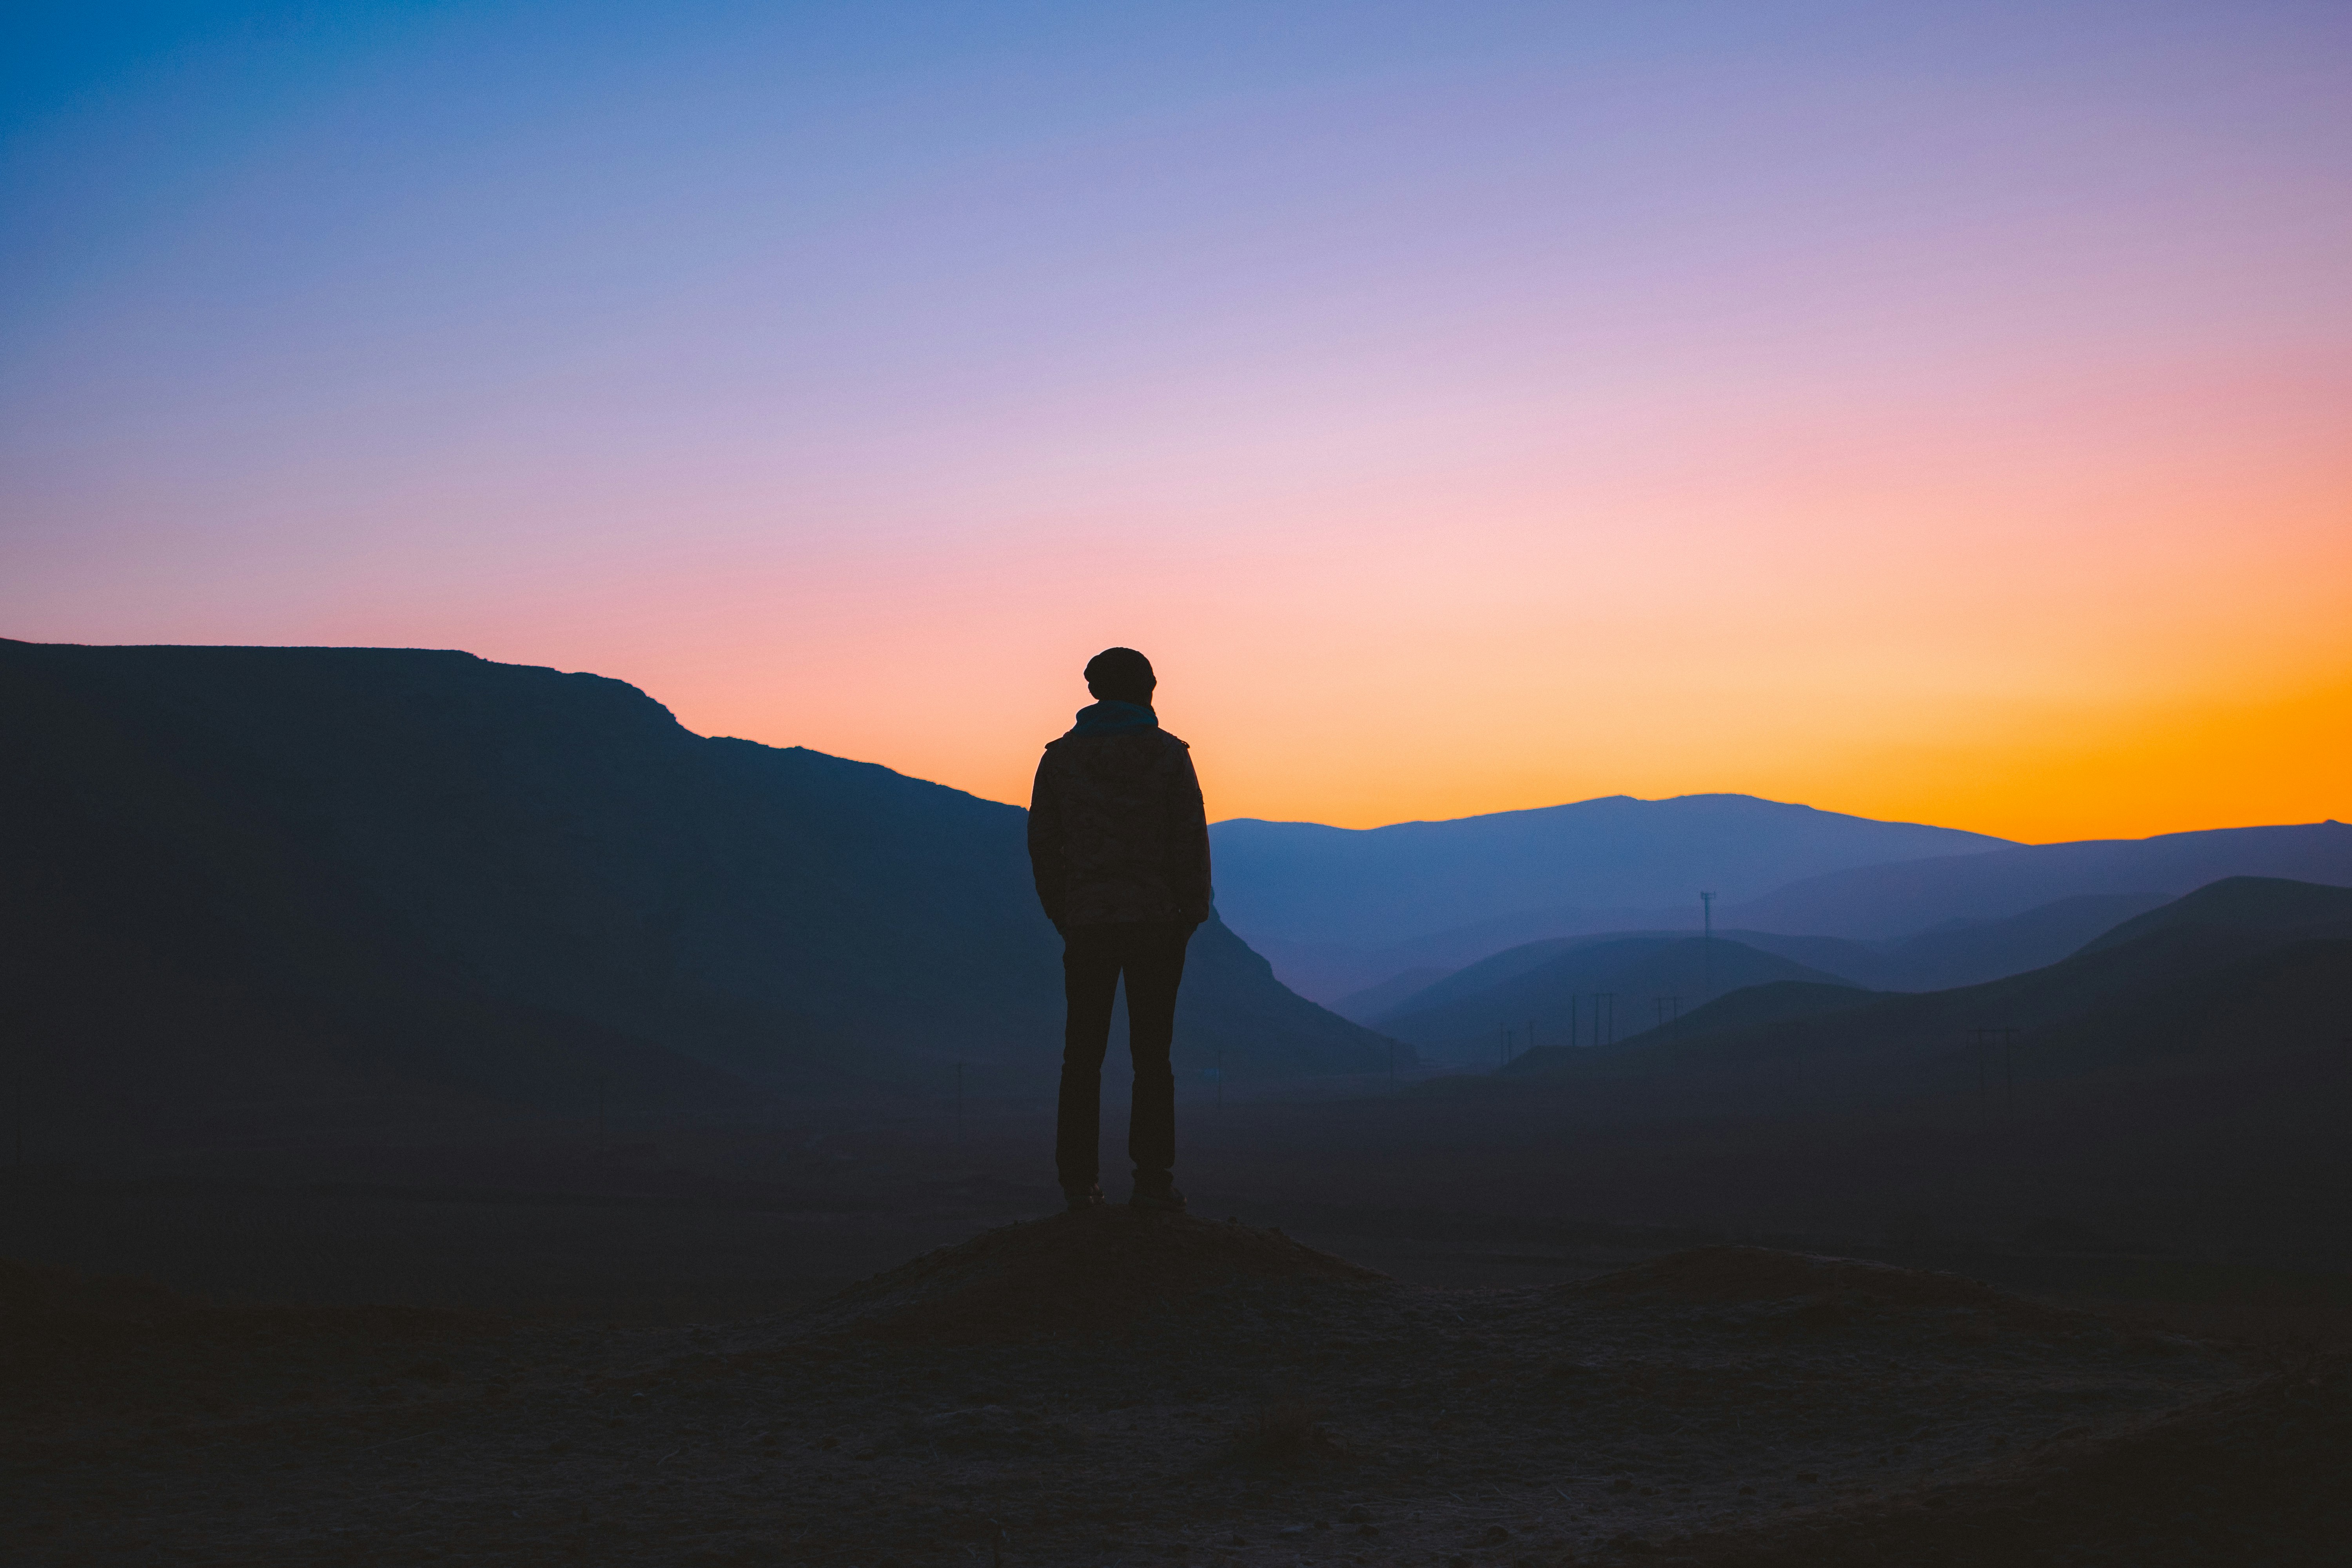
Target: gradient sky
[{"x": 1941, "y": 413}]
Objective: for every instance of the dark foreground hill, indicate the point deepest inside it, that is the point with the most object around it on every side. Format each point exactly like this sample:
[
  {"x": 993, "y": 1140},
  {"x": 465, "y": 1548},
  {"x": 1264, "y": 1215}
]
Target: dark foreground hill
[
  {"x": 1236, "y": 1398},
  {"x": 248, "y": 882}
]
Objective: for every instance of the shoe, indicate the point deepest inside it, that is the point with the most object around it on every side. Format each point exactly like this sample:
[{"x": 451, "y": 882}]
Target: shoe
[
  {"x": 1160, "y": 1196},
  {"x": 1083, "y": 1198}
]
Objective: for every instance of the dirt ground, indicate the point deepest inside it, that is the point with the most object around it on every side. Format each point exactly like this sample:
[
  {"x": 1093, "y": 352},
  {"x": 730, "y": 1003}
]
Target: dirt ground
[{"x": 1111, "y": 1387}]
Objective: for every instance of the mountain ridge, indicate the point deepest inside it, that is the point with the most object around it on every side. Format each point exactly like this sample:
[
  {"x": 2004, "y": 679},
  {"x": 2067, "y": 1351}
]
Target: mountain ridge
[{"x": 421, "y": 874}]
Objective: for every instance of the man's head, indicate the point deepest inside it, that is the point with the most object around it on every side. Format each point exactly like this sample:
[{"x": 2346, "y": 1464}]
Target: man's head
[{"x": 1120, "y": 675}]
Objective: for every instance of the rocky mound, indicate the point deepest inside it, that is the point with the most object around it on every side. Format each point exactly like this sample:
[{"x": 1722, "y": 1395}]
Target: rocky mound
[
  {"x": 1727, "y": 1275},
  {"x": 1104, "y": 1270}
]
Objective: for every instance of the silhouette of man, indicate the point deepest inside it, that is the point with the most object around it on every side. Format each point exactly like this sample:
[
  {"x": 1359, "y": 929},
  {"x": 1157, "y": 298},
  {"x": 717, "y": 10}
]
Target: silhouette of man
[{"x": 1119, "y": 844}]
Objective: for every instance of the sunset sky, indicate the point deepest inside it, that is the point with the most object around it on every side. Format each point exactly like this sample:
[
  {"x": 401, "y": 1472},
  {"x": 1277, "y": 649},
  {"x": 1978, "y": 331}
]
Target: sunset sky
[{"x": 1941, "y": 413}]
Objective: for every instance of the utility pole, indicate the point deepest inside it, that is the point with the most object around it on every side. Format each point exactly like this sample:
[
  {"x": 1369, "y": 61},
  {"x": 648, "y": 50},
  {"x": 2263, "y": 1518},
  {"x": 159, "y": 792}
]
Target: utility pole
[{"x": 1706, "y": 946}]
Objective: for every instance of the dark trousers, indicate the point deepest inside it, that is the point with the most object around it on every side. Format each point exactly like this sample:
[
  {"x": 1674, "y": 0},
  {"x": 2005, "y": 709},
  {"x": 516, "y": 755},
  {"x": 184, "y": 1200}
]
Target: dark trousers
[{"x": 1150, "y": 953}]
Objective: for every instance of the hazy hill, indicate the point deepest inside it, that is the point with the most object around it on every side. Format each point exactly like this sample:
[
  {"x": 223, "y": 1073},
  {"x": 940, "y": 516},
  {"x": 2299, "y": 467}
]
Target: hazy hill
[
  {"x": 1961, "y": 953},
  {"x": 1303, "y": 883},
  {"x": 2273, "y": 905},
  {"x": 1932, "y": 960},
  {"x": 1891, "y": 901},
  {"x": 1939, "y": 958},
  {"x": 1463, "y": 1018},
  {"x": 367, "y": 874},
  {"x": 2239, "y": 972}
]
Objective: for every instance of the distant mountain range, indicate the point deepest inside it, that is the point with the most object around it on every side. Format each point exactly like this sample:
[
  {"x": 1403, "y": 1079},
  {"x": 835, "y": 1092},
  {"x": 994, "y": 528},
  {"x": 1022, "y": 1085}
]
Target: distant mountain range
[
  {"x": 1304, "y": 884},
  {"x": 247, "y": 879},
  {"x": 1336, "y": 940}
]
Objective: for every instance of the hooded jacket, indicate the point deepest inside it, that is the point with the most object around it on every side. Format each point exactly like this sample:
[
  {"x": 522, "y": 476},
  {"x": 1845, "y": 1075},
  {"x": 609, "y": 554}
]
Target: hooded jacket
[{"x": 1116, "y": 828}]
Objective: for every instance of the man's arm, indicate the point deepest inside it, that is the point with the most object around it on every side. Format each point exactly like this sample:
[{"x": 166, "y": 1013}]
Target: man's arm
[
  {"x": 1046, "y": 863},
  {"x": 1188, "y": 842}
]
